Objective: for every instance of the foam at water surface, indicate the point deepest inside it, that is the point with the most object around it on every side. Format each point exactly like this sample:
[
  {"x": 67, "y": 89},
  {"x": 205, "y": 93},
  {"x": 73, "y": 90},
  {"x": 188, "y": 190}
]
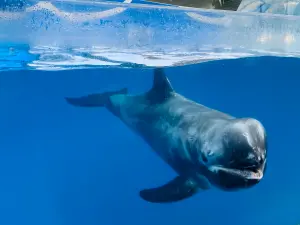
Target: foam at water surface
[{"x": 79, "y": 34}]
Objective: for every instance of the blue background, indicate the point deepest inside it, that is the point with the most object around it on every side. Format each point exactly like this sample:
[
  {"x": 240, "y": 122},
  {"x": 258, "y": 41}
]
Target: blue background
[{"x": 62, "y": 165}]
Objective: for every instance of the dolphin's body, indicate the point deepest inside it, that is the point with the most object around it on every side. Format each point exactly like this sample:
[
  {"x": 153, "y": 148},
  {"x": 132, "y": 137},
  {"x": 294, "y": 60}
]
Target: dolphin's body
[{"x": 204, "y": 146}]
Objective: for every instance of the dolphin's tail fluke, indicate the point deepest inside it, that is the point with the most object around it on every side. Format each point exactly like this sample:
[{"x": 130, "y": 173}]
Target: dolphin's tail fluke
[{"x": 95, "y": 100}]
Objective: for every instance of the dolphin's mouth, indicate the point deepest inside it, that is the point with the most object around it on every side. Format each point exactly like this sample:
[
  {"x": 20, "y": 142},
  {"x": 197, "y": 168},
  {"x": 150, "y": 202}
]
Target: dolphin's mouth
[{"x": 245, "y": 173}]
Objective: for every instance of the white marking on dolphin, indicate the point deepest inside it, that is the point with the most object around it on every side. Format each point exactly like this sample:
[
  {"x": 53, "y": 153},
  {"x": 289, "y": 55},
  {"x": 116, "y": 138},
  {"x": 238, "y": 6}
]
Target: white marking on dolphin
[{"x": 205, "y": 147}]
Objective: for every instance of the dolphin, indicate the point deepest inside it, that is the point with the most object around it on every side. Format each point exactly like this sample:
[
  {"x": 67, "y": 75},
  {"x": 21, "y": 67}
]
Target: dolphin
[{"x": 205, "y": 147}]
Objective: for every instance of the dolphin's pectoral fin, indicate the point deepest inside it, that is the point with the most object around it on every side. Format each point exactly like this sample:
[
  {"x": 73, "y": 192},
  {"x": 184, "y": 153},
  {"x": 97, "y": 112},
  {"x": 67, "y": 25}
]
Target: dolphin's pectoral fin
[
  {"x": 95, "y": 100},
  {"x": 161, "y": 87},
  {"x": 178, "y": 189}
]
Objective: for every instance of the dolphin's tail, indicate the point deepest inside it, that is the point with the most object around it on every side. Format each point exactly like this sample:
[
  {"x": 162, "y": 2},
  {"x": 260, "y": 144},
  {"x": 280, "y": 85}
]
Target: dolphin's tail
[{"x": 95, "y": 100}]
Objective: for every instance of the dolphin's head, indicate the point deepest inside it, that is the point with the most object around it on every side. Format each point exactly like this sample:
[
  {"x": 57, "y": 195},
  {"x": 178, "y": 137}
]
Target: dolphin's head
[{"x": 241, "y": 160}]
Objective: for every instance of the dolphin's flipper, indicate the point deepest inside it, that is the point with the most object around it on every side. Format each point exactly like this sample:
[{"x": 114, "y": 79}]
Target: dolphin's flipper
[
  {"x": 178, "y": 189},
  {"x": 95, "y": 100}
]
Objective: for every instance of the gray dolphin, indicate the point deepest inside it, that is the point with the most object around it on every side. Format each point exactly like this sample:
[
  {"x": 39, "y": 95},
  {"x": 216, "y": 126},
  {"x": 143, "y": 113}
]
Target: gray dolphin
[{"x": 205, "y": 147}]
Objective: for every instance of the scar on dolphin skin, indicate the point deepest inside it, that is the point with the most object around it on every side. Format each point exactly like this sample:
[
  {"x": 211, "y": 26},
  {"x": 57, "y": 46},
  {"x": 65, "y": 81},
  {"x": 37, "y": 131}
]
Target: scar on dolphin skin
[{"x": 205, "y": 147}]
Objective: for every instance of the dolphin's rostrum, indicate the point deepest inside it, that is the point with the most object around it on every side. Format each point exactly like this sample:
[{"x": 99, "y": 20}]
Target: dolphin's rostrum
[{"x": 205, "y": 147}]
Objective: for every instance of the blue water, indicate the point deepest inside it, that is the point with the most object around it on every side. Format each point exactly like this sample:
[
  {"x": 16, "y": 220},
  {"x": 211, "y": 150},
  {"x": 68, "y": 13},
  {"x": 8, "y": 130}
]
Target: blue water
[{"x": 63, "y": 165}]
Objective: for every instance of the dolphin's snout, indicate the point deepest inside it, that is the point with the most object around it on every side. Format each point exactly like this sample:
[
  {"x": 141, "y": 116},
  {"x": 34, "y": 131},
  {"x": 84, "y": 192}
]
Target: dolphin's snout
[
  {"x": 252, "y": 161},
  {"x": 245, "y": 150}
]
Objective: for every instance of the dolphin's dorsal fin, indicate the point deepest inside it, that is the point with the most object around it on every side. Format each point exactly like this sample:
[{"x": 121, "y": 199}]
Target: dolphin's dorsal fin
[
  {"x": 161, "y": 82},
  {"x": 161, "y": 87}
]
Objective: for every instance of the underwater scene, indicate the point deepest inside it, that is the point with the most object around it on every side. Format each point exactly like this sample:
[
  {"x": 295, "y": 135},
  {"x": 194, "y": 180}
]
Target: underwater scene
[{"x": 146, "y": 113}]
